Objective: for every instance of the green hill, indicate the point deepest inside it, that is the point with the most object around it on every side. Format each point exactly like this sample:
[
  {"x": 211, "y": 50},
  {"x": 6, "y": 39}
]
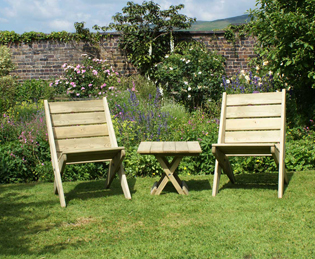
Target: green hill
[{"x": 219, "y": 24}]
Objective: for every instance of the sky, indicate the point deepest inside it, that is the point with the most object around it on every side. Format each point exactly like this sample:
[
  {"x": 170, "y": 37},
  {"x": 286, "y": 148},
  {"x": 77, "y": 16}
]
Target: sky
[{"x": 57, "y": 15}]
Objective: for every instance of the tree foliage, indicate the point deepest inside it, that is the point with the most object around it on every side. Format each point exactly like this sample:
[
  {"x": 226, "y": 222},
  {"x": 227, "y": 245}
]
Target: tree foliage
[
  {"x": 146, "y": 27},
  {"x": 285, "y": 30}
]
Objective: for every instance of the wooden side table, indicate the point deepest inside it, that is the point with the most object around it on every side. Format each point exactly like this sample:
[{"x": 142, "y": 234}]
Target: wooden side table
[{"x": 176, "y": 149}]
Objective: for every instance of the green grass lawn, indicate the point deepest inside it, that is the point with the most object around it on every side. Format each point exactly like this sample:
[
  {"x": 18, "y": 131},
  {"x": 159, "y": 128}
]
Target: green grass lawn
[{"x": 245, "y": 220}]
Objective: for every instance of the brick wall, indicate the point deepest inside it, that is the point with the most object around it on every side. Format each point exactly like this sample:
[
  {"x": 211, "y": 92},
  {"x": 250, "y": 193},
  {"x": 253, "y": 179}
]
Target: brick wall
[{"x": 44, "y": 59}]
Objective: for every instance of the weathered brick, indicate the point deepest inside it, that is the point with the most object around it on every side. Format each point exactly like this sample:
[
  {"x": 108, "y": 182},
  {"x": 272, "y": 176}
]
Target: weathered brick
[{"x": 43, "y": 59}]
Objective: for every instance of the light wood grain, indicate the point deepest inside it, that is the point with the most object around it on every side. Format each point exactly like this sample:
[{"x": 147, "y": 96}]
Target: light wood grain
[
  {"x": 81, "y": 131},
  {"x": 157, "y": 147},
  {"x": 83, "y": 118},
  {"x": 254, "y": 99},
  {"x": 182, "y": 147},
  {"x": 144, "y": 148},
  {"x": 252, "y": 137},
  {"x": 194, "y": 147},
  {"x": 65, "y": 145},
  {"x": 169, "y": 147},
  {"x": 253, "y": 124},
  {"x": 76, "y": 106},
  {"x": 254, "y": 111}
]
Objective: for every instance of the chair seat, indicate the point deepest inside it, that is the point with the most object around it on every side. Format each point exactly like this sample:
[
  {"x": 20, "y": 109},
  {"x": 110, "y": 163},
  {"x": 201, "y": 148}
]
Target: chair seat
[
  {"x": 84, "y": 156},
  {"x": 246, "y": 149}
]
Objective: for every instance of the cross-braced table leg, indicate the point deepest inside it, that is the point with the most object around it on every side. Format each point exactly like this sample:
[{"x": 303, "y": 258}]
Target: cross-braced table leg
[{"x": 169, "y": 174}]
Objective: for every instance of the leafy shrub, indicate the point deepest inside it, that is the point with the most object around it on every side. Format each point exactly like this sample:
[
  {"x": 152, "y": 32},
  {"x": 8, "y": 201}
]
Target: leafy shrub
[
  {"x": 197, "y": 126},
  {"x": 91, "y": 79},
  {"x": 8, "y": 92},
  {"x": 7, "y": 82},
  {"x": 34, "y": 90},
  {"x": 191, "y": 74},
  {"x": 6, "y": 65},
  {"x": 25, "y": 150},
  {"x": 141, "y": 84}
]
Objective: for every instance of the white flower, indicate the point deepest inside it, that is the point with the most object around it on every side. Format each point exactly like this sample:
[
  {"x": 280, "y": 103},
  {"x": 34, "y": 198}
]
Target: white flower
[
  {"x": 166, "y": 56},
  {"x": 265, "y": 63},
  {"x": 161, "y": 90},
  {"x": 187, "y": 61},
  {"x": 185, "y": 82},
  {"x": 171, "y": 68},
  {"x": 189, "y": 96},
  {"x": 199, "y": 86},
  {"x": 242, "y": 72},
  {"x": 247, "y": 78},
  {"x": 228, "y": 81},
  {"x": 257, "y": 68},
  {"x": 199, "y": 73},
  {"x": 270, "y": 73},
  {"x": 189, "y": 88}
]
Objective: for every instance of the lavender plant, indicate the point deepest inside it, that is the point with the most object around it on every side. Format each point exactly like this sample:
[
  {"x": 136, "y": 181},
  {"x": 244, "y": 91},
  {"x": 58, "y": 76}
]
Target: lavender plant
[
  {"x": 139, "y": 120},
  {"x": 249, "y": 82}
]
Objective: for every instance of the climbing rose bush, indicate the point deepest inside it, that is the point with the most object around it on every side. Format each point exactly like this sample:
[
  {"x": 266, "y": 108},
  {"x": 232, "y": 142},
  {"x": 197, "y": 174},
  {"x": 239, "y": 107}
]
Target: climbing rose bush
[
  {"x": 91, "y": 79},
  {"x": 191, "y": 74}
]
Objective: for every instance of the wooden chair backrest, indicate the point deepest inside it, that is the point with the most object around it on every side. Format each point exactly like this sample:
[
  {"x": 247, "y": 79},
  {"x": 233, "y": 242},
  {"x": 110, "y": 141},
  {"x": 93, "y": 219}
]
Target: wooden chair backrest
[
  {"x": 252, "y": 118},
  {"x": 81, "y": 125}
]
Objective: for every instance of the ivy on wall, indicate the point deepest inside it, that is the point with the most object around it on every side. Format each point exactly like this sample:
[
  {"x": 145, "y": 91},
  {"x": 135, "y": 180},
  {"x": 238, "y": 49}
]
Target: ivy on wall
[{"x": 81, "y": 34}]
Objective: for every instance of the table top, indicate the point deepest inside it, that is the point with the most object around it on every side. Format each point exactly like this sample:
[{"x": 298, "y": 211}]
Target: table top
[{"x": 170, "y": 148}]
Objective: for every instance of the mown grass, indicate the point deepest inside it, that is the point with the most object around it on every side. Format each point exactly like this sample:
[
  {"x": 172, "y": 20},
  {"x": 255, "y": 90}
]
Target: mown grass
[{"x": 245, "y": 220}]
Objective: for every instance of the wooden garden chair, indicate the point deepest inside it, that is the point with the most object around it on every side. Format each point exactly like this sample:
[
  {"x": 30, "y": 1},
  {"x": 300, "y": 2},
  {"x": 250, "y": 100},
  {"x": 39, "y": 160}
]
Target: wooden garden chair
[
  {"x": 251, "y": 125},
  {"x": 82, "y": 132}
]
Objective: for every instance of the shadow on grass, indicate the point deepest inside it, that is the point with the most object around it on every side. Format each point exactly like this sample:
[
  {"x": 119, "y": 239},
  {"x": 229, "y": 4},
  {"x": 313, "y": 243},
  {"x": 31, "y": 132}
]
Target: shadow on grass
[
  {"x": 96, "y": 189},
  {"x": 21, "y": 217},
  {"x": 193, "y": 185},
  {"x": 256, "y": 181}
]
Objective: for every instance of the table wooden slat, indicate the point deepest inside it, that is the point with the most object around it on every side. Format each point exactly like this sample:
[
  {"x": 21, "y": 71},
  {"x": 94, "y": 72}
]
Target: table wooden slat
[
  {"x": 144, "y": 148},
  {"x": 169, "y": 147},
  {"x": 182, "y": 147},
  {"x": 194, "y": 147},
  {"x": 157, "y": 147}
]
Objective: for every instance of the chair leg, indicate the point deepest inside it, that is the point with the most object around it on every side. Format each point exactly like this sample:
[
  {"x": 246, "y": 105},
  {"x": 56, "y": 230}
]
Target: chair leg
[
  {"x": 114, "y": 165},
  {"x": 58, "y": 187},
  {"x": 124, "y": 183},
  {"x": 282, "y": 177},
  {"x": 224, "y": 163},
  {"x": 216, "y": 179}
]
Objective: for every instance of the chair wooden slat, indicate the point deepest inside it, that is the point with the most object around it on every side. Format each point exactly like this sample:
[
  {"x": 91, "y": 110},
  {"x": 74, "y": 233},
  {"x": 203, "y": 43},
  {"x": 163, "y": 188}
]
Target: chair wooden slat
[
  {"x": 252, "y": 137},
  {"x": 76, "y": 106},
  {"x": 254, "y": 99},
  {"x": 81, "y": 131},
  {"x": 81, "y": 144},
  {"x": 83, "y": 118},
  {"x": 253, "y": 124},
  {"x": 257, "y": 111}
]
